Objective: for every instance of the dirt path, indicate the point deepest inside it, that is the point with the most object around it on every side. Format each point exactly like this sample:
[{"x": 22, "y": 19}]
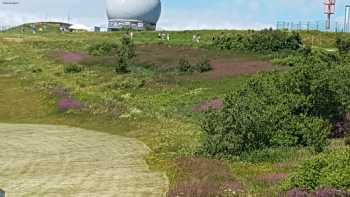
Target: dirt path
[{"x": 50, "y": 161}]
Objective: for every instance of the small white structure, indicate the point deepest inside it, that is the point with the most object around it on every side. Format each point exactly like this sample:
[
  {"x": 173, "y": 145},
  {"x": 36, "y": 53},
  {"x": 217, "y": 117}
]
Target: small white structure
[{"x": 78, "y": 28}]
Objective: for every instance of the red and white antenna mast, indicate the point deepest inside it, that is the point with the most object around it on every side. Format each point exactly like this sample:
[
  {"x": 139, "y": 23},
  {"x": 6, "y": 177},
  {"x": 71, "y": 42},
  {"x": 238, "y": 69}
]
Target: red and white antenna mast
[{"x": 329, "y": 10}]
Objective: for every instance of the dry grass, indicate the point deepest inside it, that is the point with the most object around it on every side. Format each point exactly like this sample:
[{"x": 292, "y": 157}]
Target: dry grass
[
  {"x": 62, "y": 161},
  {"x": 205, "y": 178}
]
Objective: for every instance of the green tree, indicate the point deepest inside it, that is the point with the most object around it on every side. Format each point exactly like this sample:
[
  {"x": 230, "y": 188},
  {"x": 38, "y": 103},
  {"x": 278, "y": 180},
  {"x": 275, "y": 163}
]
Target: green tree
[{"x": 125, "y": 54}]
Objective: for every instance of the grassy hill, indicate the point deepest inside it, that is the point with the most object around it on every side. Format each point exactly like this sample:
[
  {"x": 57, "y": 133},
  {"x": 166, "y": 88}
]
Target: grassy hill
[{"x": 153, "y": 102}]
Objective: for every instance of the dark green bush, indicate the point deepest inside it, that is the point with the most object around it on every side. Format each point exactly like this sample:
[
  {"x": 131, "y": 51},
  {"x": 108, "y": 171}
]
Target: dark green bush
[
  {"x": 73, "y": 68},
  {"x": 328, "y": 170},
  {"x": 203, "y": 66},
  {"x": 125, "y": 55},
  {"x": 103, "y": 49},
  {"x": 185, "y": 66},
  {"x": 259, "y": 117},
  {"x": 343, "y": 44},
  {"x": 288, "y": 109},
  {"x": 258, "y": 41},
  {"x": 326, "y": 87},
  {"x": 313, "y": 57}
]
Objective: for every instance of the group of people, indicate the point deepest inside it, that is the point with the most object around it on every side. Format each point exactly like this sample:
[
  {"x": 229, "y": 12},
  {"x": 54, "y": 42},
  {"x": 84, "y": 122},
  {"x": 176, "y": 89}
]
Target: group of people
[
  {"x": 196, "y": 38},
  {"x": 62, "y": 29},
  {"x": 34, "y": 28},
  {"x": 164, "y": 36}
]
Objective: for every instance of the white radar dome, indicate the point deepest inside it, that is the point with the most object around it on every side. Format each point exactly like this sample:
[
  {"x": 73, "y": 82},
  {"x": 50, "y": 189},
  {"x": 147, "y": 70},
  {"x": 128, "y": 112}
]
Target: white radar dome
[{"x": 122, "y": 13}]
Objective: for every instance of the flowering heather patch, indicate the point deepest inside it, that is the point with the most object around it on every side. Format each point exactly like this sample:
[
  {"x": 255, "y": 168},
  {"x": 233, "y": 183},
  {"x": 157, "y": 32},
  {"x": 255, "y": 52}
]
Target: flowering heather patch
[
  {"x": 320, "y": 192},
  {"x": 232, "y": 187},
  {"x": 330, "y": 192},
  {"x": 70, "y": 57},
  {"x": 189, "y": 189},
  {"x": 204, "y": 177},
  {"x": 205, "y": 106},
  {"x": 295, "y": 193},
  {"x": 341, "y": 128},
  {"x": 66, "y": 104}
]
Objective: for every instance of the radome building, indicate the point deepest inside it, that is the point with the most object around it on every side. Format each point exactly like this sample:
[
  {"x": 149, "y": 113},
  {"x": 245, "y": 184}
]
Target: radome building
[{"x": 133, "y": 14}]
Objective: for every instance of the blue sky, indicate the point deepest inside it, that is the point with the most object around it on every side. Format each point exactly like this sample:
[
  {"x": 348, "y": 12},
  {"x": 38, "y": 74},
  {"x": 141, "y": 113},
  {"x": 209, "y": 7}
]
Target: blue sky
[{"x": 178, "y": 14}]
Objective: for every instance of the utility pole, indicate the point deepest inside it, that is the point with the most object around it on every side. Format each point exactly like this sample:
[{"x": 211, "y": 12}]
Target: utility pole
[
  {"x": 347, "y": 19},
  {"x": 68, "y": 17},
  {"x": 329, "y": 10}
]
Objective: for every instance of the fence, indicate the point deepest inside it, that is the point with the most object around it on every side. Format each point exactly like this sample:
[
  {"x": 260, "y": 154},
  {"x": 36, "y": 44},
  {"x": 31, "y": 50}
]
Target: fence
[
  {"x": 309, "y": 26},
  {"x": 5, "y": 27}
]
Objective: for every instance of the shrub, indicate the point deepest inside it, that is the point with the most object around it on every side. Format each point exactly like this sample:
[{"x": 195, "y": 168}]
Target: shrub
[
  {"x": 326, "y": 87},
  {"x": 306, "y": 56},
  {"x": 250, "y": 122},
  {"x": 73, "y": 68},
  {"x": 321, "y": 192},
  {"x": 267, "y": 40},
  {"x": 288, "y": 109},
  {"x": 185, "y": 66},
  {"x": 103, "y": 49},
  {"x": 343, "y": 44},
  {"x": 328, "y": 170},
  {"x": 125, "y": 55},
  {"x": 203, "y": 66}
]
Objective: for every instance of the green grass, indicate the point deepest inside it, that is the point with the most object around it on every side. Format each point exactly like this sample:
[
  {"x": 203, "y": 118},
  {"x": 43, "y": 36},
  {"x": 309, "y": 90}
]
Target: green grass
[{"x": 158, "y": 113}]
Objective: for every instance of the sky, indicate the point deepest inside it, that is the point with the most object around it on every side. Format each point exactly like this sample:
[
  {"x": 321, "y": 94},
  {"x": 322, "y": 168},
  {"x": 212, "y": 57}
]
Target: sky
[{"x": 176, "y": 14}]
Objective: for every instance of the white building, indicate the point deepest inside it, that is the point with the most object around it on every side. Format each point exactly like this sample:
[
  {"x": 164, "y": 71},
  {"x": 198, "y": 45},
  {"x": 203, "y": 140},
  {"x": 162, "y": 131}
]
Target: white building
[
  {"x": 133, "y": 14},
  {"x": 79, "y": 28}
]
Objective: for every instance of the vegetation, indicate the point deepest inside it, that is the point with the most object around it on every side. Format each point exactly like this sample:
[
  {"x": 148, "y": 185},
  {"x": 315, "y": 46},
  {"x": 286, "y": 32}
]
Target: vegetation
[
  {"x": 204, "y": 66},
  {"x": 125, "y": 55},
  {"x": 328, "y": 170},
  {"x": 265, "y": 126},
  {"x": 73, "y": 68},
  {"x": 258, "y": 41},
  {"x": 306, "y": 56},
  {"x": 103, "y": 49},
  {"x": 347, "y": 140},
  {"x": 343, "y": 44},
  {"x": 186, "y": 67},
  {"x": 280, "y": 109}
]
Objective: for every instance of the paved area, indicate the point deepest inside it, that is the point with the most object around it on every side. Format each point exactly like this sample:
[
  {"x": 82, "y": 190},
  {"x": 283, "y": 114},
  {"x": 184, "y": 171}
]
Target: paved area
[{"x": 50, "y": 161}]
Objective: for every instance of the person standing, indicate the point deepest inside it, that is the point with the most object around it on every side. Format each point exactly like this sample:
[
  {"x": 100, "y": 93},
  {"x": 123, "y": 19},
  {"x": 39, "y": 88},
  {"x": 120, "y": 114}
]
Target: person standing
[{"x": 34, "y": 28}]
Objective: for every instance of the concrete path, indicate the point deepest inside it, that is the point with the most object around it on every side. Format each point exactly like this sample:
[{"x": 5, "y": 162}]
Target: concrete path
[{"x": 50, "y": 161}]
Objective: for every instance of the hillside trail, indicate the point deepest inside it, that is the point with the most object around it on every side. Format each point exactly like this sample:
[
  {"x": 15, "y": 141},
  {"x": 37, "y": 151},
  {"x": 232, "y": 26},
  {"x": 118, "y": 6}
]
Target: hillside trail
[{"x": 54, "y": 161}]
